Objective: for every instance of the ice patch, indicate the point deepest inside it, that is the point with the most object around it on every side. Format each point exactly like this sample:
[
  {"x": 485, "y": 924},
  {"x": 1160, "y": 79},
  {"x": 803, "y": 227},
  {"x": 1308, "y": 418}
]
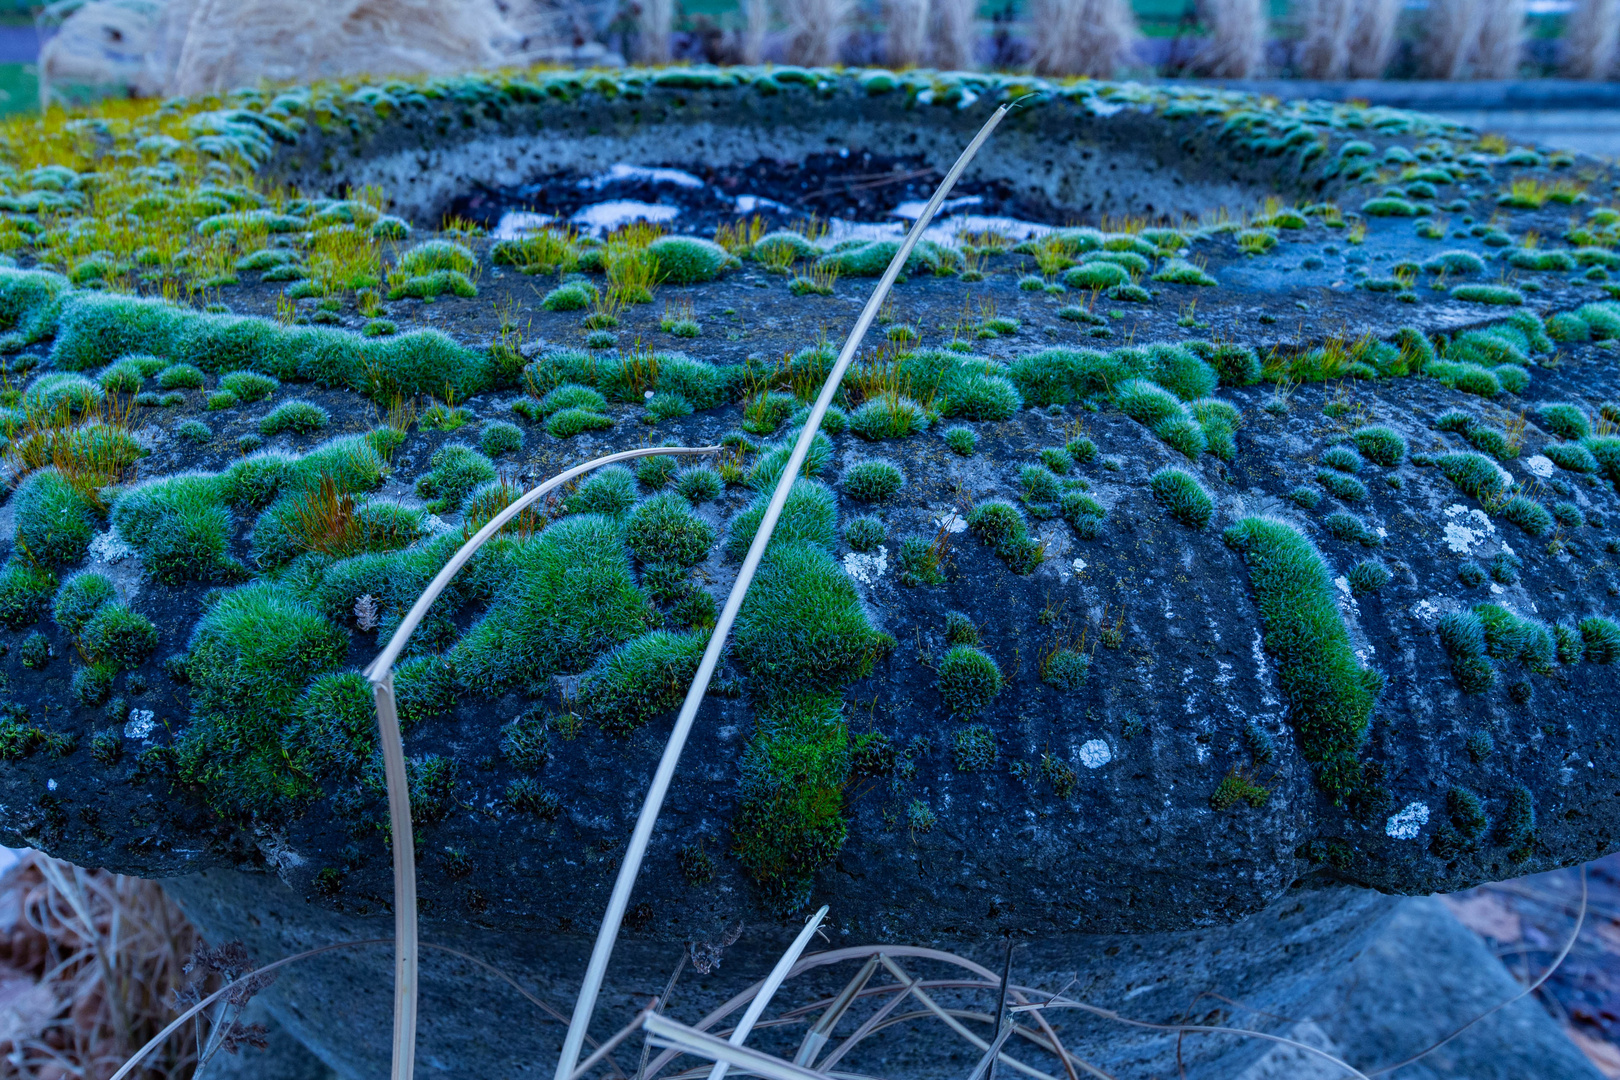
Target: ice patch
[
  {"x": 866, "y": 568},
  {"x": 912, "y": 209},
  {"x": 640, "y": 174},
  {"x": 747, "y": 204},
  {"x": 141, "y": 724},
  {"x": 516, "y": 224},
  {"x": 1406, "y": 824},
  {"x": 1095, "y": 754},
  {"x": 1539, "y": 465},
  {"x": 603, "y": 216}
]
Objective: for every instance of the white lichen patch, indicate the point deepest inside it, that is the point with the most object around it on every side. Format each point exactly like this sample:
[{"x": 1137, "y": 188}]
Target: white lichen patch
[
  {"x": 1095, "y": 754},
  {"x": 1426, "y": 611},
  {"x": 867, "y": 568},
  {"x": 109, "y": 547},
  {"x": 1079, "y": 565},
  {"x": 140, "y": 725},
  {"x": 1539, "y": 466},
  {"x": 1406, "y": 824},
  {"x": 1466, "y": 528},
  {"x": 1343, "y": 584},
  {"x": 950, "y": 521}
]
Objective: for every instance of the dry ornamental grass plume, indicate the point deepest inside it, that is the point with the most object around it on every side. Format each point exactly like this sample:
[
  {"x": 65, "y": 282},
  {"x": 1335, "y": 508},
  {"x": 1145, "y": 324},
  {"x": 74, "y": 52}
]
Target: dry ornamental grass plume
[
  {"x": 816, "y": 30},
  {"x": 1347, "y": 38},
  {"x": 1592, "y": 39},
  {"x": 1479, "y": 39},
  {"x": 1236, "y": 46},
  {"x": 1081, "y": 37},
  {"x": 905, "y": 31},
  {"x": 66, "y": 934},
  {"x": 954, "y": 35}
]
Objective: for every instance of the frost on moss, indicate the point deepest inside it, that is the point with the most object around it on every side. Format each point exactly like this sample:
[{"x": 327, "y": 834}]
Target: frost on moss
[{"x": 1330, "y": 695}]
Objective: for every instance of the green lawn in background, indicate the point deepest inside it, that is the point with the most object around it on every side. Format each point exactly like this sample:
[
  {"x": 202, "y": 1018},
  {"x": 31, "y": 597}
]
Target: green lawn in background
[{"x": 19, "y": 88}]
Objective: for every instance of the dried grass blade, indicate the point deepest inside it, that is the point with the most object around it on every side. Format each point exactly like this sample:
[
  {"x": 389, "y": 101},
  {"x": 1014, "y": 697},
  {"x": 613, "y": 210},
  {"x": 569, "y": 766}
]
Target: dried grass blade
[
  {"x": 635, "y": 851},
  {"x": 956, "y": 1025},
  {"x": 700, "y": 1043},
  {"x": 380, "y": 673},
  {"x": 772, "y": 983},
  {"x": 822, "y": 1032}
]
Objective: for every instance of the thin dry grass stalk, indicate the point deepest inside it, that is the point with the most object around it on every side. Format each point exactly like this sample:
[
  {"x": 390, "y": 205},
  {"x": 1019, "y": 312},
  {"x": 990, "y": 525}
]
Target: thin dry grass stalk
[
  {"x": 1236, "y": 46},
  {"x": 1081, "y": 37},
  {"x": 1592, "y": 39},
  {"x": 1373, "y": 37},
  {"x": 67, "y": 934},
  {"x": 1451, "y": 37}
]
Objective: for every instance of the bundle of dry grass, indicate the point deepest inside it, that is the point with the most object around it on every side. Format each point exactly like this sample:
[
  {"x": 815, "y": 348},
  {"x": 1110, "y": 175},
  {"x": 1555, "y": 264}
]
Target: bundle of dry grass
[
  {"x": 1347, "y": 38},
  {"x": 954, "y": 35},
  {"x": 817, "y": 30},
  {"x": 655, "y": 26},
  {"x": 756, "y": 20},
  {"x": 1473, "y": 39},
  {"x": 66, "y": 936},
  {"x": 230, "y": 43},
  {"x": 1592, "y": 39},
  {"x": 1081, "y": 37},
  {"x": 1236, "y": 45},
  {"x": 905, "y": 31}
]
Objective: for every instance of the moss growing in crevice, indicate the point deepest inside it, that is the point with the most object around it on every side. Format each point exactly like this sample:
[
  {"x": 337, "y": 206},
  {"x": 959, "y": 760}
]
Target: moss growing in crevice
[{"x": 1329, "y": 693}]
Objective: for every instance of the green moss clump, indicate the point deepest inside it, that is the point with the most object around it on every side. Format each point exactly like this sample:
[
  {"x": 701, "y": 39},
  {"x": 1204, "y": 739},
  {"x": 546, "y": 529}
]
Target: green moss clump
[
  {"x": 683, "y": 260},
  {"x": 1465, "y": 826},
  {"x": 118, "y": 636},
  {"x": 1096, "y": 275},
  {"x": 973, "y": 749},
  {"x": 1002, "y": 526},
  {"x": 1517, "y": 829},
  {"x": 59, "y": 392},
  {"x": 1065, "y": 669},
  {"x": 455, "y": 469},
  {"x": 1462, "y": 633},
  {"x": 765, "y": 472},
  {"x": 975, "y": 396},
  {"x": 968, "y": 680},
  {"x": 180, "y": 377},
  {"x": 25, "y": 593},
  {"x": 1182, "y": 372},
  {"x": 891, "y": 416},
  {"x": 1146, "y": 402},
  {"x": 250, "y": 657},
  {"x": 1473, "y": 475},
  {"x": 1235, "y": 788},
  {"x": 92, "y": 686},
  {"x": 1345, "y": 488},
  {"x": 566, "y": 423},
  {"x": 1571, "y": 456},
  {"x": 1342, "y": 458},
  {"x": 298, "y": 417},
  {"x": 572, "y": 296},
  {"x": 810, "y": 515},
  {"x": 874, "y": 480},
  {"x": 864, "y": 534},
  {"x": 498, "y": 437},
  {"x": 794, "y": 772},
  {"x": 1467, "y": 377},
  {"x": 1499, "y": 295},
  {"x": 961, "y": 440},
  {"x": 1380, "y": 445},
  {"x": 1565, "y": 421},
  {"x": 640, "y": 679},
  {"x": 1041, "y": 489},
  {"x": 763, "y": 414},
  {"x": 663, "y": 530},
  {"x": 1183, "y": 497},
  {"x": 698, "y": 484},
  {"x": 569, "y": 596},
  {"x": 526, "y": 742},
  {"x": 1083, "y": 513},
  {"x": 1601, "y": 637},
  {"x": 55, "y": 522},
  {"x": 610, "y": 491},
  {"x": 802, "y": 628},
  {"x": 431, "y": 255},
  {"x": 1454, "y": 263},
  {"x": 1367, "y": 576},
  {"x": 529, "y": 796},
  {"x": 1528, "y": 515},
  {"x": 1330, "y": 695}
]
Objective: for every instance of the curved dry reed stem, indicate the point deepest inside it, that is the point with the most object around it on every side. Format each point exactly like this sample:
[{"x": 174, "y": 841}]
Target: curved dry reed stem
[
  {"x": 636, "y": 849},
  {"x": 381, "y": 675}
]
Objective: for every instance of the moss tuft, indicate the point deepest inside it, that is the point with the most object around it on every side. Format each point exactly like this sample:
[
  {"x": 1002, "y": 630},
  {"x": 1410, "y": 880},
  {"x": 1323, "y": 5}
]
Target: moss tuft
[
  {"x": 973, "y": 749},
  {"x": 1183, "y": 497},
  {"x": 1380, "y": 445},
  {"x": 297, "y": 417},
  {"x": 1002, "y": 526},
  {"x": 968, "y": 680},
  {"x": 640, "y": 679},
  {"x": 455, "y": 470},
  {"x": 810, "y": 515},
  {"x": 663, "y": 530},
  {"x": 55, "y": 522},
  {"x": 1330, "y": 695}
]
